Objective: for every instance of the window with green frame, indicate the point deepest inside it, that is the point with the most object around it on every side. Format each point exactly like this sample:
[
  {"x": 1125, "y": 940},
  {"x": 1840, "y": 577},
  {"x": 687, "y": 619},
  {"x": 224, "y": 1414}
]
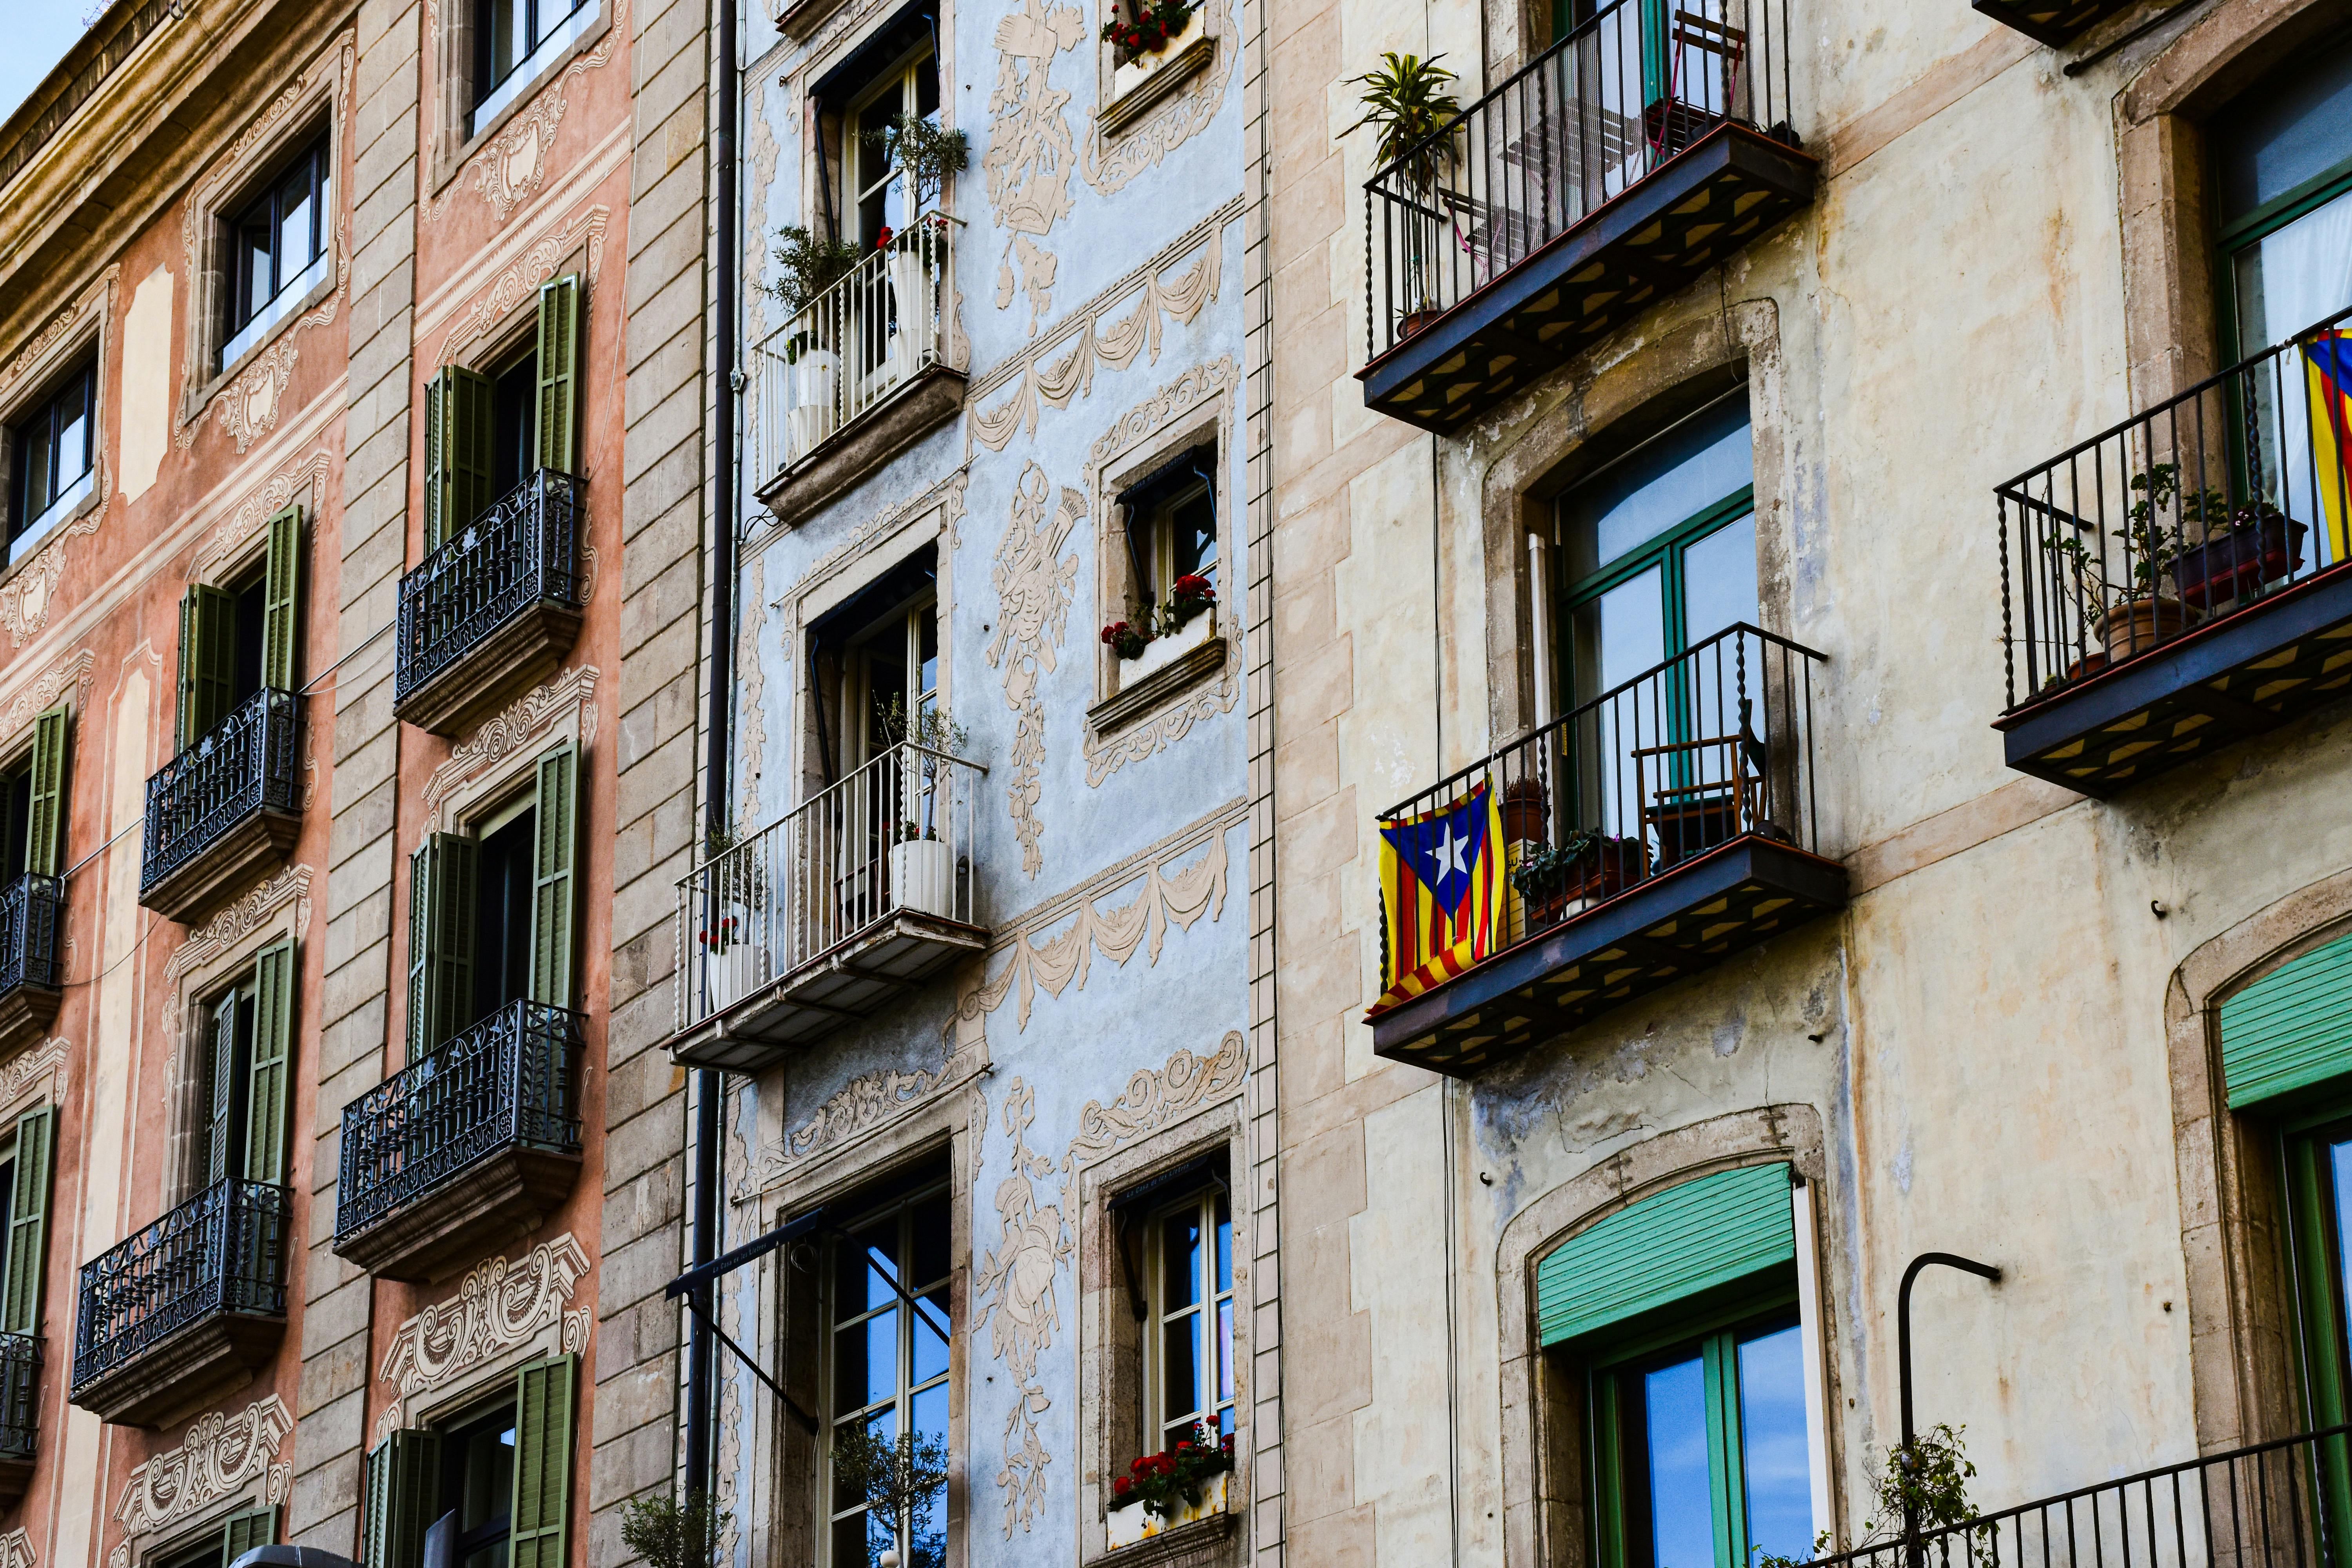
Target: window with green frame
[{"x": 2315, "y": 1146}]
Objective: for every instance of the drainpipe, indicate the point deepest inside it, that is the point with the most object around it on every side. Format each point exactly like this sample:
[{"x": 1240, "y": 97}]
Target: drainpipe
[{"x": 715, "y": 817}]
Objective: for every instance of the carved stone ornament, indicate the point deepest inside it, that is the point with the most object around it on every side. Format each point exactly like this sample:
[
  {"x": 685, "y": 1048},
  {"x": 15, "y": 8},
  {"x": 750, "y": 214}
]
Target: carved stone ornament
[
  {"x": 863, "y": 1103},
  {"x": 223, "y": 1454},
  {"x": 519, "y": 279},
  {"x": 17, "y": 1551},
  {"x": 522, "y": 724},
  {"x": 305, "y": 479},
  {"x": 242, "y": 919},
  {"x": 37, "y": 1074},
  {"x": 509, "y": 168},
  {"x": 498, "y": 1306},
  {"x": 68, "y": 675}
]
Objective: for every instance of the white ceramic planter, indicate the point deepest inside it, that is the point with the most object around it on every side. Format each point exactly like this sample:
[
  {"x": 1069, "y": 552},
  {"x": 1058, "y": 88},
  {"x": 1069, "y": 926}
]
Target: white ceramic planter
[
  {"x": 1135, "y": 1522},
  {"x": 816, "y": 399},
  {"x": 922, "y": 874},
  {"x": 911, "y": 291},
  {"x": 1161, "y": 652},
  {"x": 1125, "y": 79}
]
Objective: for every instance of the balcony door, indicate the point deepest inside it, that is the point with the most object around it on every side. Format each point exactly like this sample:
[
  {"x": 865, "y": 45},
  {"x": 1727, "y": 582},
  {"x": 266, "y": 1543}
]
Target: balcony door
[
  {"x": 239, "y": 638},
  {"x": 888, "y": 1375},
  {"x": 247, "y": 1073},
  {"x": 486, "y": 432},
  {"x": 2318, "y": 1165}
]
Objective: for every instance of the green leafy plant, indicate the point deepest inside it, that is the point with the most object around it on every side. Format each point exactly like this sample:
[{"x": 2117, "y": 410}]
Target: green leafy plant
[
  {"x": 1188, "y": 597},
  {"x": 1167, "y": 1483},
  {"x": 927, "y": 727},
  {"x": 1932, "y": 1475},
  {"x": 1126, "y": 639},
  {"x": 670, "y": 1534},
  {"x": 927, "y": 154},
  {"x": 1147, "y": 30},
  {"x": 2150, "y": 543},
  {"x": 897, "y": 1478},
  {"x": 1546, "y": 870},
  {"x": 807, "y": 265},
  {"x": 1405, "y": 102}
]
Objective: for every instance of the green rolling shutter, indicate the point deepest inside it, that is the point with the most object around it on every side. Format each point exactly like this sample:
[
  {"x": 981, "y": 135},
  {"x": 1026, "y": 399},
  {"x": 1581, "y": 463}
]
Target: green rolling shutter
[
  {"x": 402, "y": 1474},
  {"x": 553, "y": 886},
  {"x": 255, "y": 1527},
  {"x": 542, "y": 1465},
  {"x": 28, "y": 1222},
  {"x": 271, "y": 1079},
  {"x": 2291, "y": 1030},
  {"x": 224, "y": 1114},
  {"x": 45, "y": 823},
  {"x": 281, "y": 626},
  {"x": 558, "y": 372},
  {"x": 460, "y": 429},
  {"x": 207, "y": 660},
  {"x": 441, "y": 899},
  {"x": 1666, "y": 1247}
]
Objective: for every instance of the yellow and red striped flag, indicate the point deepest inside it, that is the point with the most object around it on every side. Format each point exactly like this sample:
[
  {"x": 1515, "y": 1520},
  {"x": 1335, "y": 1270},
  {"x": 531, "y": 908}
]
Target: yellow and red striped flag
[
  {"x": 1441, "y": 893},
  {"x": 2329, "y": 359}
]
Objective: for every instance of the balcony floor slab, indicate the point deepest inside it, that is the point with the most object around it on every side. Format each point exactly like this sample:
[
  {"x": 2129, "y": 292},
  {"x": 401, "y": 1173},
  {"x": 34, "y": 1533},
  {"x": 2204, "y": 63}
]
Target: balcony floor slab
[
  {"x": 184, "y": 1371},
  {"x": 246, "y": 852},
  {"x": 524, "y": 650},
  {"x": 26, "y": 1013},
  {"x": 2056, "y": 23},
  {"x": 449, "y": 1227},
  {"x": 928, "y": 398}
]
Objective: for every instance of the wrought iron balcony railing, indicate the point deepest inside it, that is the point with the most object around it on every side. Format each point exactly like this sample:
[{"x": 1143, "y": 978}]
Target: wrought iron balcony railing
[
  {"x": 511, "y": 1078},
  {"x": 221, "y": 1252},
  {"x": 523, "y": 551},
  {"x": 247, "y": 762},
  {"x": 895, "y": 836},
  {"x": 854, "y": 345},
  {"x": 1585, "y": 121},
  {"x": 2197, "y": 510},
  {"x": 20, "y": 1396},
  {"x": 29, "y": 909}
]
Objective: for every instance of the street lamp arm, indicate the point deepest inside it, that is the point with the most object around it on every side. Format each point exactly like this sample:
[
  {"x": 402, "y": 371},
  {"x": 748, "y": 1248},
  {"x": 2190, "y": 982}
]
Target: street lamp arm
[{"x": 1903, "y": 1318}]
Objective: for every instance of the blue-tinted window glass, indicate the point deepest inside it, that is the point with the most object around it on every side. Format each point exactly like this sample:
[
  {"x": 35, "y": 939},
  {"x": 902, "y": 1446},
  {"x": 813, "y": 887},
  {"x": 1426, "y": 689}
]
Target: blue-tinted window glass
[
  {"x": 1679, "y": 475},
  {"x": 1674, "y": 1401},
  {"x": 1773, "y": 1457}
]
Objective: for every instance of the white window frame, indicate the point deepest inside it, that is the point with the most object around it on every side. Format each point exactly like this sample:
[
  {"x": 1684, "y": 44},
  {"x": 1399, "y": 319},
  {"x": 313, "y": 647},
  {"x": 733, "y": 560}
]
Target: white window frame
[
  {"x": 857, "y": 153},
  {"x": 857, "y": 675},
  {"x": 1212, "y": 1304},
  {"x": 517, "y": 81}
]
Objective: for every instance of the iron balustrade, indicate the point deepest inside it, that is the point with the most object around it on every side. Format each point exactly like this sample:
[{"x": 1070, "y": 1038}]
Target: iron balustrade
[
  {"x": 894, "y": 836},
  {"x": 244, "y": 764},
  {"x": 523, "y": 551},
  {"x": 1587, "y": 120},
  {"x": 854, "y": 345},
  {"x": 2199, "y": 507},
  {"x": 223, "y": 1251},
  {"x": 20, "y": 1395},
  {"x": 29, "y": 910},
  {"x": 2281, "y": 1504},
  {"x": 1712, "y": 744},
  {"x": 510, "y": 1080}
]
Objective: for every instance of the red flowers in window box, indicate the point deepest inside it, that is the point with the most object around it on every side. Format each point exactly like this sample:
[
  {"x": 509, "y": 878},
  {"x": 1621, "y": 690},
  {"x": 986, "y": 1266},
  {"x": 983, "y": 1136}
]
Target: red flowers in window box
[
  {"x": 1146, "y": 29},
  {"x": 722, "y": 938},
  {"x": 1167, "y": 1483},
  {"x": 1187, "y": 597},
  {"x": 883, "y": 236},
  {"x": 1126, "y": 640}
]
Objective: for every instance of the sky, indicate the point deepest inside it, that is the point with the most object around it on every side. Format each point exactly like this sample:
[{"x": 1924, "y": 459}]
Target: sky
[{"x": 39, "y": 34}]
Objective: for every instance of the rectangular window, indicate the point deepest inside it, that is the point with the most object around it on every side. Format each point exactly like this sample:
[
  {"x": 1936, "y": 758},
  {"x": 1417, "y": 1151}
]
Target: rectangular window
[
  {"x": 2318, "y": 1169},
  {"x": 246, "y": 1066},
  {"x": 280, "y": 247},
  {"x": 485, "y": 435},
  {"x": 513, "y": 40},
  {"x": 880, "y": 198},
  {"x": 1188, "y": 1345},
  {"x": 887, "y": 1368},
  {"x": 1171, "y": 527},
  {"x": 487, "y": 1486},
  {"x": 874, "y": 667},
  {"x": 52, "y": 470},
  {"x": 239, "y": 640}
]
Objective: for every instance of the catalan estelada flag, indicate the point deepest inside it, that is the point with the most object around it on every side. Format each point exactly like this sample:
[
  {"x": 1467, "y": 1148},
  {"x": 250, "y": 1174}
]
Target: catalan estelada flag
[
  {"x": 1441, "y": 893},
  {"x": 2327, "y": 357}
]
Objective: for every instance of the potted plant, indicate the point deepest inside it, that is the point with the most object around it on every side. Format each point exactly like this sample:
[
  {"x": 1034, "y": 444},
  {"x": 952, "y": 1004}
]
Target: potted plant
[
  {"x": 927, "y": 156},
  {"x": 1178, "y": 626},
  {"x": 1146, "y": 35},
  {"x": 668, "y": 1533},
  {"x": 1557, "y": 881},
  {"x": 1406, "y": 104},
  {"x": 901, "y": 1481},
  {"x": 2257, "y": 543},
  {"x": 922, "y": 858},
  {"x": 1526, "y": 811},
  {"x": 1126, "y": 639},
  {"x": 806, "y": 267},
  {"x": 2133, "y": 616},
  {"x": 1176, "y": 1487},
  {"x": 734, "y": 891}
]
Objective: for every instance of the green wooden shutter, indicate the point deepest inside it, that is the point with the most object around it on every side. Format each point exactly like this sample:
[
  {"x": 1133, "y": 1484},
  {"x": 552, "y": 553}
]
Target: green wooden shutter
[
  {"x": 224, "y": 1066},
  {"x": 460, "y": 429},
  {"x": 542, "y": 1465},
  {"x": 282, "y": 625},
  {"x": 45, "y": 823},
  {"x": 1686, "y": 1240},
  {"x": 244, "y": 1532},
  {"x": 403, "y": 1476},
  {"x": 2291, "y": 1030},
  {"x": 28, "y": 1222},
  {"x": 554, "y": 887},
  {"x": 441, "y": 900},
  {"x": 558, "y": 372},
  {"x": 272, "y": 1077},
  {"x": 207, "y": 660}
]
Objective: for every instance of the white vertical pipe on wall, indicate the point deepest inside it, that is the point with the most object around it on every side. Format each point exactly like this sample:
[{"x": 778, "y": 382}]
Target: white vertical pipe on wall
[
  {"x": 1540, "y": 598},
  {"x": 1810, "y": 1332}
]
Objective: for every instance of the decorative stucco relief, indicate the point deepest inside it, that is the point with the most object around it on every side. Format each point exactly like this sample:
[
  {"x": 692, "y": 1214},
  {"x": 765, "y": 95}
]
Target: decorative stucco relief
[
  {"x": 509, "y": 168},
  {"x": 1030, "y": 152},
  {"x": 523, "y": 723},
  {"x": 1080, "y": 926},
  {"x": 498, "y": 1306},
  {"x": 37, "y": 1074},
  {"x": 519, "y": 280},
  {"x": 1019, "y": 1307},
  {"x": 222, "y": 1455},
  {"x": 1112, "y": 160},
  {"x": 249, "y": 914},
  {"x": 17, "y": 1551},
  {"x": 1153, "y": 1099},
  {"x": 28, "y": 594},
  {"x": 32, "y": 359},
  {"x": 751, "y": 708},
  {"x": 863, "y": 1103},
  {"x": 1125, "y": 321},
  {"x": 306, "y": 479},
  {"x": 69, "y": 674},
  {"x": 249, "y": 408},
  {"x": 1034, "y": 582},
  {"x": 25, "y": 598}
]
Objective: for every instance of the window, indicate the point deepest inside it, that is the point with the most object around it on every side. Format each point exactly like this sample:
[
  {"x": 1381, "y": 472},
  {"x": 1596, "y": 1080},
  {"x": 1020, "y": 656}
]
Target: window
[
  {"x": 888, "y": 1366},
  {"x": 2282, "y": 160},
  {"x": 878, "y": 196},
  {"x": 513, "y": 40},
  {"x": 50, "y": 471},
  {"x": 476, "y": 1489},
  {"x": 31, "y": 803},
  {"x": 1171, "y": 525},
  {"x": 247, "y": 1073},
  {"x": 239, "y": 640},
  {"x": 1187, "y": 1347},
  {"x": 485, "y": 435},
  {"x": 487, "y": 1486},
  {"x": 280, "y": 247},
  {"x": 219, "y": 1547},
  {"x": 875, "y": 665},
  {"x": 27, "y": 1166}
]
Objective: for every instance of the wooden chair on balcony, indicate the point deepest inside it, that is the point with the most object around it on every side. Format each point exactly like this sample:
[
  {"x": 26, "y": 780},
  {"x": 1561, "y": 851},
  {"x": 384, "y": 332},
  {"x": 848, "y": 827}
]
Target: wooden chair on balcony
[
  {"x": 1683, "y": 115},
  {"x": 1691, "y": 818}
]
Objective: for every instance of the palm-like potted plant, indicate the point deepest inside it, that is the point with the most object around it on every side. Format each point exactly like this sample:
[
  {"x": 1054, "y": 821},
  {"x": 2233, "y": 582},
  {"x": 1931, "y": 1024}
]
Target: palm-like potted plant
[
  {"x": 1407, "y": 105},
  {"x": 806, "y": 266},
  {"x": 927, "y": 156}
]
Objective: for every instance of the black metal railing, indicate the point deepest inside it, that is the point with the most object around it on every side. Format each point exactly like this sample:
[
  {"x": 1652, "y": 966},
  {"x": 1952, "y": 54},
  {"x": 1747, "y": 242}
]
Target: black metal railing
[
  {"x": 511, "y": 1078},
  {"x": 30, "y": 908},
  {"x": 20, "y": 1395},
  {"x": 222, "y": 1252},
  {"x": 2281, "y": 1504},
  {"x": 523, "y": 551},
  {"x": 1589, "y": 117},
  {"x": 2199, "y": 508},
  {"x": 1689, "y": 755},
  {"x": 247, "y": 763}
]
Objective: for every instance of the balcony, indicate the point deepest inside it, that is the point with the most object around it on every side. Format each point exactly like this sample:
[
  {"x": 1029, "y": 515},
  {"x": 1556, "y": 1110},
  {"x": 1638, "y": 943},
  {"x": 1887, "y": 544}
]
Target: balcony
[
  {"x": 224, "y": 811},
  {"x": 2056, "y": 23},
  {"x": 491, "y": 612},
  {"x": 1658, "y": 829},
  {"x": 1611, "y": 173},
  {"x": 830, "y": 915},
  {"x": 477, "y": 1141},
  {"x": 2177, "y": 582},
  {"x": 30, "y": 964},
  {"x": 863, "y": 370},
  {"x": 187, "y": 1310},
  {"x": 20, "y": 1414}
]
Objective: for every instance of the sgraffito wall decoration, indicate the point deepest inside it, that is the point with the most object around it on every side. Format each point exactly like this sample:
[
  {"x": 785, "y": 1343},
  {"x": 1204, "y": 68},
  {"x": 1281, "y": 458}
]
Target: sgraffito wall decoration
[
  {"x": 305, "y": 480},
  {"x": 569, "y": 696},
  {"x": 510, "y": 167},
  {"x": 70, "y": 676},
  {"x": 863, "y": 1103},
  {"x": 223, "y": 1454},
  {"x": 1035, "y": 585},
  {"x": 1031, "y": 155},
  {"x": 1021, "y": 1310},
  {"x": 1112, "y": 159},
  {"x": 1153, "y": 1099}
]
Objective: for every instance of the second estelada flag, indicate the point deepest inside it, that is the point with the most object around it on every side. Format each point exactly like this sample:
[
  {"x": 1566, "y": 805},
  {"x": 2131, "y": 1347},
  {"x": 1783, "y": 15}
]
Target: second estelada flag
[{"x": 1441, "y": 893}]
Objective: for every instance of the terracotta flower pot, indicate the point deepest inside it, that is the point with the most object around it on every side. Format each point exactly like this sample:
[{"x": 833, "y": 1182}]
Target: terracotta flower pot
[
  {"x": 2136, "y": 626},
  {"x": 1526, "y": 813}
]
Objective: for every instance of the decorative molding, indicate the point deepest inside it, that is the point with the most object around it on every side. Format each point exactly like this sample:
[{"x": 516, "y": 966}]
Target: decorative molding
[
  {"x": 225, "y": 931},
  {"x": 1153, "y": 1099},
  {"x": 1033, "y": 1245},
  {"x": 68, "y": 675},
  {"x": 499, "y": 1307},
  {"x": 1030, "y": 152},
  {"x": 222, "y": 1455},
  {"x": 859, "y": 1106},
  {"x": 521, "y": 723},
  {"x": 27, "y": 596},
  {"x": 1123, "y": 322},
  {"x": 17, "y": 1551},
  {"x": 249, "y": 408},
  {"x": 1114, "y": 156},
  {"x": 519, "y": 279},
  {"x": 35, "y": 359},
  {"x": 1034, "y": 582},
  {"x": 947, "y": 495},
  {"x": 509, "y": 168},
  {"x": 37, "y": 1074},
  {"x": 254, "y": 512}
]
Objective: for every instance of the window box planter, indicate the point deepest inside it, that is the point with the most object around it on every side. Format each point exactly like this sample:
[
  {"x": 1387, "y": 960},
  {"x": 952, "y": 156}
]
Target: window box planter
[
  {"x": 1163, "y": 651},
  {"x": 2233, "y": 564},
  {"x": 1139, "y": 83},
  {"x": 1134, "y": 1523}
]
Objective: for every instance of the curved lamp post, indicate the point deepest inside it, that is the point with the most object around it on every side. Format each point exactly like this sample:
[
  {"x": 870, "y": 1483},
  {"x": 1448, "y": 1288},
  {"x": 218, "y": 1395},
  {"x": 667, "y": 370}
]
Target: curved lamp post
[{"x": 1911, "y": 1552}]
